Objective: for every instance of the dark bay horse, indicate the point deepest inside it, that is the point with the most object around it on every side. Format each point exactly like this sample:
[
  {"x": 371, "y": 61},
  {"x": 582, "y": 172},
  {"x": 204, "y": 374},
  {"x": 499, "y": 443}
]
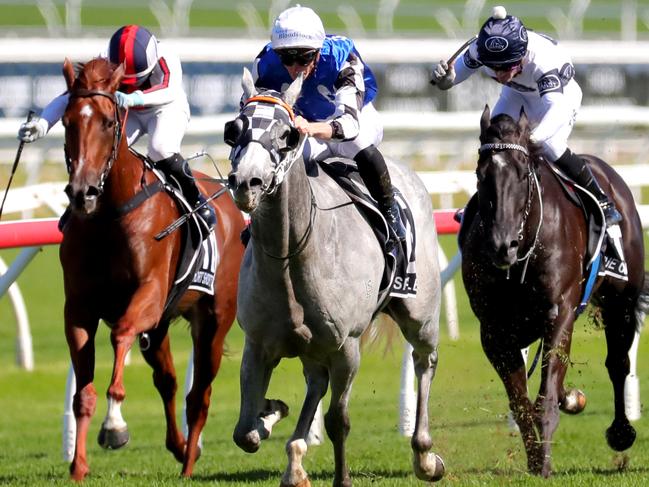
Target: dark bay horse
[
  {"x": 309, "y": 285},
  {"x": 115, "y": 270},
  {"x": 524, "y": 255}
]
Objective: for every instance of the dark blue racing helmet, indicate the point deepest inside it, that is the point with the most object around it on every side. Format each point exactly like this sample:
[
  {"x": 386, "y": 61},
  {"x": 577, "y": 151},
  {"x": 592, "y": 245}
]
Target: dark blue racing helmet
[{"x": 502, "y": 41}]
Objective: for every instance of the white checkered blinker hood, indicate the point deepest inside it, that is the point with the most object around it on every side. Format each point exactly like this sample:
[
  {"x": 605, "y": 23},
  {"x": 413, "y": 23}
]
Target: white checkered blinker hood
[{"x": 264, "y": 123}]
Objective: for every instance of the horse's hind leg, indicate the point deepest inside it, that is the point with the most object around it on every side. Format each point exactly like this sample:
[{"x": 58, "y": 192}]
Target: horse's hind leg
[
  {"x": 80, "y": 334},
  {"x": 157, "y": 353},
  {"x": 422, "y": 334},
  {"x": 317, "y": 379},
  {"x": 619, "y": 321}
]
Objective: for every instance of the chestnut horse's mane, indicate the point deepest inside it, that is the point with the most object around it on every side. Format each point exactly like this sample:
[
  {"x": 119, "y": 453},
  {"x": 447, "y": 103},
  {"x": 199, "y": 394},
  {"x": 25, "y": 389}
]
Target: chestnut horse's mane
[{"x": 95, "y": 73}]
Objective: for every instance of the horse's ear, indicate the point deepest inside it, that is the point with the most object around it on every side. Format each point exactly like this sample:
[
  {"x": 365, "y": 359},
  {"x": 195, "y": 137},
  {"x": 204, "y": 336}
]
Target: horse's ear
[
  {"x": 116, "y": 77},
  {"x": 248, "y": 84},
  {"x": 292, "y": 138},
  {"x": 523, "y": 122},
  {"x": 485, "y": 119},
  {"x": 68, "y": 73},
  {"x": 292, "y": 93}
]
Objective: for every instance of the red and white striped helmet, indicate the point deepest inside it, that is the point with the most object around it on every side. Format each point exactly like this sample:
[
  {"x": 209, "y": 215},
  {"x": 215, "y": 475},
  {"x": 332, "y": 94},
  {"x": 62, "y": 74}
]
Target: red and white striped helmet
[{"x": 137, "y": 48}]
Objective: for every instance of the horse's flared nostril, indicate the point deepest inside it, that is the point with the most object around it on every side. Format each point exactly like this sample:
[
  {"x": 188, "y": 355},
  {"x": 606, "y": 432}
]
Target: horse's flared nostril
[
  {"x": 513, "y": 244},
  {"x": 255, "y": 182},
  {"x": 92, "y": 192}
]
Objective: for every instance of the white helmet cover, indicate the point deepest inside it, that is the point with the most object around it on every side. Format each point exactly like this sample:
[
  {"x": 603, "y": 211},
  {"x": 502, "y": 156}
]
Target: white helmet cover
[{"x": 297, "y": 27}]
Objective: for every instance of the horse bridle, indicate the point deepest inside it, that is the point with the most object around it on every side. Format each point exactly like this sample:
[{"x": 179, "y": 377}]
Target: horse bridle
[
  {"x": 117, "y": 132},
  {"x": 533, "y": 183},
  {"x": 279, "y": 172},
  {"x": 283, "y": 165}
]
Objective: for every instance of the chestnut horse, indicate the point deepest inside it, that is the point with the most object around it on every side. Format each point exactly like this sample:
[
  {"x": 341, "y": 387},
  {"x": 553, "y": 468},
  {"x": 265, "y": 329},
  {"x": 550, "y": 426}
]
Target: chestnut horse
[
  {"x": 523, "y": 258},
  {"x": 115, "y": 270}
]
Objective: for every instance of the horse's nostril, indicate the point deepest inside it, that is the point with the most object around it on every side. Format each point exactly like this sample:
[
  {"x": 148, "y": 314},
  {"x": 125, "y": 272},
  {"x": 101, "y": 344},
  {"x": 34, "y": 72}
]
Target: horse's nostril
[
  {"x": 513, "y": 244},
  {"x": 255, "y": 182},
  {"x": 92, "y": 191}
]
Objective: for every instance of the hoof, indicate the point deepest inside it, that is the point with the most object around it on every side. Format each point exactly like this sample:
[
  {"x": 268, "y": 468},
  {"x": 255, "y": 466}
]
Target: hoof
[
  {"x": 249, "y": 442},
  {"x": 574, "y": 402},
  {"x": 302, "y": 483},
  {"x": 112, "y": 439},
  {"x": 428, "y": 466},
  {"x": 620, "y": 435},
  {"x": 78, "y": 472}
]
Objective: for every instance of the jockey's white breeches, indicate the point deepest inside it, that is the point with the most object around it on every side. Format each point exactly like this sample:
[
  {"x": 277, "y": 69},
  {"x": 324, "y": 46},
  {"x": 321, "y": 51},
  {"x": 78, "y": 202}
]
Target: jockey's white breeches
[
  {"x": 370, "y": 133},
  {"x": 511, "y": 102},
  {"x": 165, "y": 124}
]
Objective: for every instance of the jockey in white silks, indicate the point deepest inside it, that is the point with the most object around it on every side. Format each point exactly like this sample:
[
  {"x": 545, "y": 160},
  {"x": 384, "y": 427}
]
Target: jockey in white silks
[
  {"x": 335, "y": 107},
  {"x": 538, "y": 76},
  {"x": 152, "y": 89}
]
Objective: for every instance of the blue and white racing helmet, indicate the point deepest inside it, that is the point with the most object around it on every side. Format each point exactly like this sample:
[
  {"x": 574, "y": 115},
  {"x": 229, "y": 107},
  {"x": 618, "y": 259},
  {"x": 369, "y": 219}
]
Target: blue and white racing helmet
[{"x": 502, "y": 41}]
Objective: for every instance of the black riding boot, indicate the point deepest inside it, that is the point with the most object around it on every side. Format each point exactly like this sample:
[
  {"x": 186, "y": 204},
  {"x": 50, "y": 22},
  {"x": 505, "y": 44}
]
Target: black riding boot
[
  {"x": 575, "y": 167},
  {"x": 177, "y": 167},
  {"x": 375, "y": 175}
]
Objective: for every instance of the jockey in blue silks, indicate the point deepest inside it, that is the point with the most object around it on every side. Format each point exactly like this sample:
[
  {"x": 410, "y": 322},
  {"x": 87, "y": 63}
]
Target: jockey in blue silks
[
  {"x": 537, "y": 75},
  {"x": 152, "y": 88},
  {"x": 335, "y": 107}
]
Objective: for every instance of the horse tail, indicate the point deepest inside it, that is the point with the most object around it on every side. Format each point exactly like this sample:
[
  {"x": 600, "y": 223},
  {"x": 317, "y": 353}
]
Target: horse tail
[{"x": 642, "y": 305}]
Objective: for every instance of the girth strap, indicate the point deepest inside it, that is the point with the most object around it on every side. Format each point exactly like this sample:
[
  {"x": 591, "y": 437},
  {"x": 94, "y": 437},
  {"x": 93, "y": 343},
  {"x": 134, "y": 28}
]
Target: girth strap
[{"x": 140, "y": 197}]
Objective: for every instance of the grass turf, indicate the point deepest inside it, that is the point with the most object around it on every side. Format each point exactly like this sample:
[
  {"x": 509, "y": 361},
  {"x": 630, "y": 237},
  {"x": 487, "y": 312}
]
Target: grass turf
[{"x": 467, "y": 413}]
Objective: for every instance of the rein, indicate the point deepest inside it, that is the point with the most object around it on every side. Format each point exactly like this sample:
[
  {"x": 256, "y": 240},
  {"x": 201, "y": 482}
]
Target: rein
[
  {"x": 117, "y": 132},
  {"x": 284, "y": 165},
  {"x": 532, "y": 185}
]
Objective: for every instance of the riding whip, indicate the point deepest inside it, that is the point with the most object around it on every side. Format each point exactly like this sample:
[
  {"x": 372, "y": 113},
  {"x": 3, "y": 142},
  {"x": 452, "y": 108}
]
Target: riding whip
[
  {"x": 13, "y": 169},
  {"x": 180, "y": 221},
  {"x": 457, "y": 53}
]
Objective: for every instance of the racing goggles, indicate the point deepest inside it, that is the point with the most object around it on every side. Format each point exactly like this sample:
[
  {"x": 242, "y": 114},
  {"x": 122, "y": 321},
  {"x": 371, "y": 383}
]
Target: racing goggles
[
  {"x": 291, "y": 56},
  {"x": 505, "y": 66}
]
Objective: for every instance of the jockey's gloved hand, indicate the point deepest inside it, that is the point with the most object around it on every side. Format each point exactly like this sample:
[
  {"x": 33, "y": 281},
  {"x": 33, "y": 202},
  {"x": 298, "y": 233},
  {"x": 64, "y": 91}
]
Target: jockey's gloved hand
[
  {"x": 126, "y": 100},
  {"x": 443, "y": 75},
  {"x": 32, "y": 130}
]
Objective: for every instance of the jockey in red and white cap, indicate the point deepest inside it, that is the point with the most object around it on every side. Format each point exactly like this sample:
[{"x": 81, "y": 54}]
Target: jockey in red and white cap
[
  {"x": 152, "y": 87},
  {"x": 537, "y": 75}
]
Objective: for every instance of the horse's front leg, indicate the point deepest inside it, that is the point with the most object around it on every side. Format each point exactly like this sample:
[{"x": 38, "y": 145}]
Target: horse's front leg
[
  {"x": 556, "y": 357},
  {"x": 157, "y": 353},
  {"x": 209, "y": 324},
  {"x": 143, "y": 313},
  {"x": 508, "y": 363},
  {"x": 257, "y": 415},
  {"x": 343, "y": 366},
  {"x": 317, "y": 380},
  {"x": 80, "y": 330}
]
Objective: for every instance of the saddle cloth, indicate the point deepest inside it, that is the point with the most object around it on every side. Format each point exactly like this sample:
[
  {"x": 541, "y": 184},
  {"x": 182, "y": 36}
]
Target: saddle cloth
[{"x": 399, "y": 274}]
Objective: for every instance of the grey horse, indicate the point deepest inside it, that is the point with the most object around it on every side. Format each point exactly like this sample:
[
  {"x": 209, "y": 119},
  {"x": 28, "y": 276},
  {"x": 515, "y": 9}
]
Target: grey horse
[{"x": 309, "y": 285}]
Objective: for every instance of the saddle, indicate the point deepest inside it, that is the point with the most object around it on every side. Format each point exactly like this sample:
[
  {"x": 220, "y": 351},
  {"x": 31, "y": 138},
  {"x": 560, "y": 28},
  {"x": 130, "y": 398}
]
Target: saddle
[{"x": 399, "y": 273}]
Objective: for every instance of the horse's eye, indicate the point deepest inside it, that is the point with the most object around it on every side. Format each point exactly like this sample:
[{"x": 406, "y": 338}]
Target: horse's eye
[{"x": 109, "y": 123}]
